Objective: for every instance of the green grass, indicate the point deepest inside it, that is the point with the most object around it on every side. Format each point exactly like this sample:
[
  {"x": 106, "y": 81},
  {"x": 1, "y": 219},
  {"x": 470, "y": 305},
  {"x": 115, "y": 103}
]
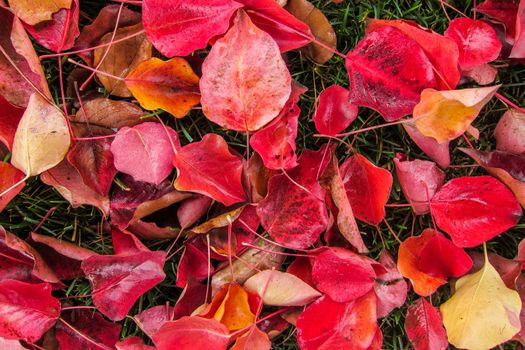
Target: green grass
[{"x": 84, "y": 225}]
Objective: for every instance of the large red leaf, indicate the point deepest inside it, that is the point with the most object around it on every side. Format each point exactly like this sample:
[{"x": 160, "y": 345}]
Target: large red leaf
[
  {"x": 472, "y": 210},
  {"x": 342, "y": 274},
  {"x": 387, "y": 71},
  {"x": 9, "y": 120},
  {"x": 190, "y": 333},
  {"x": 245, "y": 82},
  {"x": 26, "y": 310},
  {"x": 390, "y": 287},
  {"x": 441, "y": 51},
  {"x": 86, "y": 329},
  {"x": 326, "y": 324},
  {"x": 9, "y": 176},
  {"x": 367, "y": 187},
  {"x": 60, "y": 33},
  {"x": 209, "y": 168},
  {"x": 288, "y": 31},
  {"x": 145, "y": 151},
  {"x": 419, "y": 180},
  {"x": 334, "y": 111},
  {"x": 275, "y": 143},
  {"x": 477, "y": 42},
  {"x": 295, "y": 215},
  {"x": 119, "y": 280},
  {"x": 424, "y": 326},
  {"x": 178, "y": 27}
]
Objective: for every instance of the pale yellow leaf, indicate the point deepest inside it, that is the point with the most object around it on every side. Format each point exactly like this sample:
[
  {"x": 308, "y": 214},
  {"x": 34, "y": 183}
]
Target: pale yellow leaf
[
  {"x": 41, "y": 139},
  {"x": 483, "y": 312}
]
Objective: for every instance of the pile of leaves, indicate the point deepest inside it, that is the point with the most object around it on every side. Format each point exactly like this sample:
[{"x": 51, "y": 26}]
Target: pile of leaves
[{"x": 257, "y": 234}]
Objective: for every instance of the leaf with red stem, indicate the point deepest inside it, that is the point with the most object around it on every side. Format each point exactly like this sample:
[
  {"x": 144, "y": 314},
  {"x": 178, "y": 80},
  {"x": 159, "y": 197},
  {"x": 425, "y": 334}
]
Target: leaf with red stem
[
  {"x": 18, "y": 78},
  {"x": 26, "y": 310},
  {"x": 209, "y": 168},
  {"x": 245, "y": 82},
  {"x": 177, "y": 28},
  {"x": 193, "y": 264}
]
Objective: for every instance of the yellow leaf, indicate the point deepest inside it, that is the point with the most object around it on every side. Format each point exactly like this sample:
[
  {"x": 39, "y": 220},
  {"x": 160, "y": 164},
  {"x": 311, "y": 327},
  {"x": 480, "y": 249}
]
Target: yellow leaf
[
  {"x": 41, "y": 139},
  {"x": 483, "y": 312},
  {"x": 445, "y": 115},
  {"x": 33, "y": 12}
]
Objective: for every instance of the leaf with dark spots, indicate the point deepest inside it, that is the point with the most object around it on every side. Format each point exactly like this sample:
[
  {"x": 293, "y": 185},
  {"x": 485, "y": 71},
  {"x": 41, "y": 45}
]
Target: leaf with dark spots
[
  {"x": 26, "y": 310},
  {"x": 117, "y": 281},
  {"x": 388, "y": 70},
  {"x": 474, "y": 209}
]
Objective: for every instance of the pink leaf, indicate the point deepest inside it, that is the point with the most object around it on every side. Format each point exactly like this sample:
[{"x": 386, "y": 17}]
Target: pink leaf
[
  {"x": 390, "y": 287},
  {"x": 509, "y": 132}
]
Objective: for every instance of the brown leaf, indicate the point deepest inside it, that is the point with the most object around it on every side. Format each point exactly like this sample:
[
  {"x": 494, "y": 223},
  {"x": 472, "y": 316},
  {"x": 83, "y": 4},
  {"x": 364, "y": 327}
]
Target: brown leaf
[
  {"x": 108, "y": 113},
  {"x": 320, "y": 26}
]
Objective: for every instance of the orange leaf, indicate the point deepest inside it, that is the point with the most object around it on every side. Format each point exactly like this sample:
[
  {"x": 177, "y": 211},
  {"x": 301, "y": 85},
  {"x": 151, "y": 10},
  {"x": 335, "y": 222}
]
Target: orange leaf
[
  {"x": 170, "y": 85},
  {"x": 445, "y": 115}
]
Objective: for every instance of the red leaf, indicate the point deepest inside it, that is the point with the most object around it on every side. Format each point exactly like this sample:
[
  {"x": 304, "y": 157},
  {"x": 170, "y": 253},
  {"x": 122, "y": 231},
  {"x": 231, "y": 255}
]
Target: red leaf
[
  {"x": 27, "y": 311},
  {"x": 441, "y": 258},
  {"x": 388, "y": 70},
  {"x": 63, "y": 257},
  {"x": 209, "y": 168},
  {"x": 255, "y": 339},
  {"x": 133, "y": 343},
  {"x": 424, "y": 326},
  {"x": 334, "y": 112},
  {"x": 117, "y": 281},
  {"x": 326, "y": 324},
  {"x": 342, "y": 274},
  {"x": 367, "y": 187},
  {"x": 289, "y": 32},
  {"x": 94, "y": 162},
  {"x": 177, "y": 28},
  {"x": 390, "y": 287},
  {"x": 472, "y": 210},
  {"x": 504, "y": 12},
  {"x": 419, "y": 180},
  {"x": 190, "y": 333},
  {"x": 245, "y": 82},
  {"x": 194, "y": 264},
  {"x": 145, "y": 151},
  {"x": 125, "y": 242},
  {"x": 150, "y": 320},
  {"x": 192, "y": 209},
  {"x": 441, "y": 51},
  {"x": 477, "y": 42},
  {"x": 9, "y": 176},
  {"x": 275, "y": 143},
  {"x": 518, "y": 50},
  {"x": 295, "y": 216},
  {"x": 11, "y": 116},
  {"x": 90, "y": 331},
  {"x": 60, "y": 33}
]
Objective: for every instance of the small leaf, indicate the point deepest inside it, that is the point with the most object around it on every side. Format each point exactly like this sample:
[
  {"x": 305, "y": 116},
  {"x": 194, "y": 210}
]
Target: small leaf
[
  {"x": 170, "y": 85},
  {"x": 9, "y": 176},
  {"x": 42, "y": 138},
  {"x": 482, "y": 312},
  {"x": 35, "y": 12},
  {"x": 334, "y": 112},
  {"x": 509, "y": 132},
  {"x": 424, "y": 326},
  {"x": 278, "y": 288}
]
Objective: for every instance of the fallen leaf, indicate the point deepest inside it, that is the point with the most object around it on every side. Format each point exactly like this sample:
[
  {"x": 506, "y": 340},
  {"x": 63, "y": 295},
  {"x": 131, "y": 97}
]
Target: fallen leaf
[
  {"x": 209, "y": 168},
  {"x": 11, "y": 116},
  {"x": 150, "y": 320},
  {"x": 133, "y": 343},
  {"x": 170, "y": 85},
  {"x": 108, "y": 113},
  {"x": 245, "y": 82},
  {"x": 117, "y": 281},
  {"x": 145, "y": 151},
  {"x": 446, "y": 115},
  {"x": 419, "y": 180},
  {"x": 390, "y": 287},
  {"x": 9, "y": 176},
  {"x": 278, "y": 288},
  {"x": 334, "y": 111},
  {"x": 474, "y": 209},
  {"x": 392, "y": 89},
  {"x": 367, "y": 187},
  {"x": 192, "y": 209},
  {"x": 121, "y": 57},
  {"x": 177, "y": 28},
  {"x": 193, "y": 265},
  {"x": 42, "y": 138},
  {"x": 190, "y": 333},
  {"x": 518, "y": 49},
  {"x": 482, "y": 312},
  {"x": 507, "y": 167},
  {"x": 509, "y": 132},
  {"x": 320, "y": 27},
  {"x": 26, "y": 310},
  {"x": 504, "y": 12},
  {"x": 254, "y": 339},
  {"x": 34, "y": 13},
  {"x": 424, "y": 326},
  {"x": 342, "y": 274},
  {"x": 438, "y": 152}
]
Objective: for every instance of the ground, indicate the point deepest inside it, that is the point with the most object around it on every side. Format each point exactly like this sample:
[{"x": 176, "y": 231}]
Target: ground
[{"x": 84, "y": 225}]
